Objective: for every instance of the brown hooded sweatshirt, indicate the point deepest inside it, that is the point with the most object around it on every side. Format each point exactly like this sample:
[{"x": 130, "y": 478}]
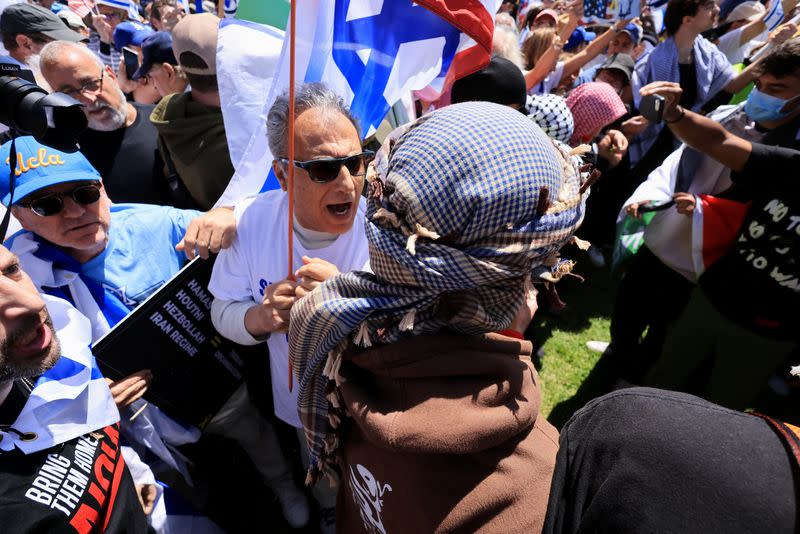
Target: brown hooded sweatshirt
[{"x": 445, "y": 436}]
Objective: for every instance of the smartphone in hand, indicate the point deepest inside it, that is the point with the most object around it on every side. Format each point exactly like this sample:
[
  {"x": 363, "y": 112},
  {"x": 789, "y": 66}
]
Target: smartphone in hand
[
  {"x": 652, "y": 108},
  {"x": 131, "y": 61}
]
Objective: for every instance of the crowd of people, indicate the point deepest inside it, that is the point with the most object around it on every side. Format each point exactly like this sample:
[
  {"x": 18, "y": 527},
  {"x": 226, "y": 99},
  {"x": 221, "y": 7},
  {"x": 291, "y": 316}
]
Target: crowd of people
[{"x": 397, "y": 391}]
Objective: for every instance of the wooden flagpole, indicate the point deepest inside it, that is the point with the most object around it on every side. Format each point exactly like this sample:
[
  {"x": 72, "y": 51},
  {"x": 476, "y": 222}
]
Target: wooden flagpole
[{"x": 290, "y": 171}]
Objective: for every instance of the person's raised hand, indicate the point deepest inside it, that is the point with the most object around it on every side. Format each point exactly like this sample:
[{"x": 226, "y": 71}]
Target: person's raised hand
[
  {"x": 575, "y": 9},
  {"x": 671, "y": 92},
  {"x": 783, "y": 33},
  {"x": 209, "y": 233},
  {"x": 684, "y": 203},
  {"x": 147, "y": 497},
  {"x": 272, "y": 315},
  {"x": 634, "y": 126},
  {"x": 103, "y": 28},
  {"x": 131, "y": 388},
  {"x": 127, "y": 86},
  {"x": 612, "y": 147},
  {"x": 620, "y": 24},
  {"x": 313, "y": 272},
  {"x": 633, "y": 209}
]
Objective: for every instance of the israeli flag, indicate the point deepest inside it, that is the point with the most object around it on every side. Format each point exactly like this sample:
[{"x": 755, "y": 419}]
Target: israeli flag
[
  {"x": 371, "y": 52},
  {"x": 69, "y": 400},
  {"x": 775, "y": 15}
]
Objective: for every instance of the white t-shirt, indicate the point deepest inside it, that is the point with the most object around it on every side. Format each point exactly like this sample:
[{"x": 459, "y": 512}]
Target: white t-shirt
[
  {"x": 259, "y": 257},
  {"x": 551, "y": 81},
  {"x": 735, "y": 51}
]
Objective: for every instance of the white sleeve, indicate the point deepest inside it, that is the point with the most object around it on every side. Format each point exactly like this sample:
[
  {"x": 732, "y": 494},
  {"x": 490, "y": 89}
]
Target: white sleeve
[
  {"x": 140, "y": 472},
  {"x": 729, "y": 43},
  {"x": 660, "y": 184},
  {"x": 228, "y": 319},
  {"x": 554, "y": 78},
  {"x": 230, "y": 279}
]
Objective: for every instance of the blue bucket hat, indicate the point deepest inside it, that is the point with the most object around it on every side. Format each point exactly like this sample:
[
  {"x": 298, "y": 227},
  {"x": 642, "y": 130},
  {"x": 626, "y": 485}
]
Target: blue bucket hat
[
  {"x": 39, "y": 166},
  {"x": 156, "y": 49},
  {"x": 131, "y": 33}
]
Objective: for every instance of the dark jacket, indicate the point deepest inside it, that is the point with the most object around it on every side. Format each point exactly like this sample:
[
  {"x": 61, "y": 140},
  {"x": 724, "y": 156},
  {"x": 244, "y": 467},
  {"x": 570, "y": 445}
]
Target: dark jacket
[{"x": 192, "y": 135}]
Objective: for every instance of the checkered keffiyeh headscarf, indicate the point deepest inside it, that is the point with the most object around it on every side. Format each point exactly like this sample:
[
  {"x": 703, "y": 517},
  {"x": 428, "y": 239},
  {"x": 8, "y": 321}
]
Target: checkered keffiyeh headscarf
[
  {"x": 552, "y": 115},
  {"x": 462, "y": 206},
  {"x": 594, "y": 105}
]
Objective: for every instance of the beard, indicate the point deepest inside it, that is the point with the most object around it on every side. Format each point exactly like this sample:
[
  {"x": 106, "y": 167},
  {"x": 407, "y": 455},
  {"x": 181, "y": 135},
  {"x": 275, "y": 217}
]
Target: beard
[
  {"x": 112, "y": 118},
  {"x": 30, "y": 367}
]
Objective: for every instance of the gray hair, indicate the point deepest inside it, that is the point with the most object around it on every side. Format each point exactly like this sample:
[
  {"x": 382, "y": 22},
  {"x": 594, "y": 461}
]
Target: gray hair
[
  {"x": 306, "y": 96},
  {"x": 53, "y": 53},
  {"x": 504, "y": 20},
  {"x": 505, "y": 43}
]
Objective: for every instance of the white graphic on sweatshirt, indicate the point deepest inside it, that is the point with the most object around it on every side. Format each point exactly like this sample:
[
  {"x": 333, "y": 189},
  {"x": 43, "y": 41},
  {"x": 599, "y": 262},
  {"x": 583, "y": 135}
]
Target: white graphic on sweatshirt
[{"x": 368, "y": 495}]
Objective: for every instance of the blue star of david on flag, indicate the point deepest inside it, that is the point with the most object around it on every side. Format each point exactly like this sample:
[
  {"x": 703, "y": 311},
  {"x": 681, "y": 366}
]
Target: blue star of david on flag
[
  {"x": 366, "y": 51},
  {"x": 371, "y": 52}
]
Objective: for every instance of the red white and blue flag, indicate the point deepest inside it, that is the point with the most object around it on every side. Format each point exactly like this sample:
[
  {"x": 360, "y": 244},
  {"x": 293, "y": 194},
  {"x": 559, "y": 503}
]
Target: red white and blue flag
[
  {"x": 372, "y": 52},
  {"x": 716, "y": 223}
]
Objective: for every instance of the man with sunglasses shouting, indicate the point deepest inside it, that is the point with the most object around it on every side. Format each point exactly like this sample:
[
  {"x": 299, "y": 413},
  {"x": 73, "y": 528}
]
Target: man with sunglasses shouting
[{"x": 253, "y": 294}]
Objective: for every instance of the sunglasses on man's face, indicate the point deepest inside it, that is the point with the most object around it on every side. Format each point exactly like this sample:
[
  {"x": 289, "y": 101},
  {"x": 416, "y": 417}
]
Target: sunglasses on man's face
[
  {"x": 324, "y": 170},
  {"x": 53, "y": 204}
]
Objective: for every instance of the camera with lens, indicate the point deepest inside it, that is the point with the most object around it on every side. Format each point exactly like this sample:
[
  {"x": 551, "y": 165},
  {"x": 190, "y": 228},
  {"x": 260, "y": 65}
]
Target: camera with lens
[{"x": 52, "y": 119}]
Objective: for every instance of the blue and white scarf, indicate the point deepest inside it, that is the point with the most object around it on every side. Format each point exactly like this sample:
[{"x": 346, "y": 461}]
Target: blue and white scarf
[
  {"x": 57, "y": 274},
  {"x": 69, "y": 400},
  {"x": 713, "y": 73},
  {"x": 463, "y": 205}
]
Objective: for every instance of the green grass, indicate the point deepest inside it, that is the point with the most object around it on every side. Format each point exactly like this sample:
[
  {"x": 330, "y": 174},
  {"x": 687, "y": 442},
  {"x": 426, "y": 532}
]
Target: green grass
[{"x": 567, "y": 361}]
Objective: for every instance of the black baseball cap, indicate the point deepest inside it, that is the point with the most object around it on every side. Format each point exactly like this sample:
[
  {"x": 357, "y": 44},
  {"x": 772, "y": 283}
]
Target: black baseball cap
[
  {"x": 29, "y": 19},
  {"x": 500, "y": 82},
  {"x": 622, "y": 62},
  {"x": 156, "y": 49}
]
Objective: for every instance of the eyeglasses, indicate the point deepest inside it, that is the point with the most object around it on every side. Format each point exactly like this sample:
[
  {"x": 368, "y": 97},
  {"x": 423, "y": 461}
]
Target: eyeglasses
[
  {"x": 53, "y": 204},
  {"x": 324, "y": 170},
  {"x": 92, "y": 86}
]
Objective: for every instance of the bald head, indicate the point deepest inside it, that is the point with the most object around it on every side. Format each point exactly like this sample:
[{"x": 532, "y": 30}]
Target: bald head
[
  {"x": 75, "y": 70},
  {"x": 64, "y": 51}
]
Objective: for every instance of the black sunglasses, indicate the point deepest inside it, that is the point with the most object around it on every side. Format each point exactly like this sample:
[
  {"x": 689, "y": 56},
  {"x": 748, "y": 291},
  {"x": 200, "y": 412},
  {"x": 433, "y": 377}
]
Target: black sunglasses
[
  {"x": 326, "y": 170},
  {"x": 53, "y": 204}
]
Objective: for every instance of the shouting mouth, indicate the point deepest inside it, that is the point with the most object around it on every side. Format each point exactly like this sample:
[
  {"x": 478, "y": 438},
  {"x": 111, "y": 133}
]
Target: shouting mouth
[
  {"x": 340, "y": 210},
  {"x": 33, "y": 342}
]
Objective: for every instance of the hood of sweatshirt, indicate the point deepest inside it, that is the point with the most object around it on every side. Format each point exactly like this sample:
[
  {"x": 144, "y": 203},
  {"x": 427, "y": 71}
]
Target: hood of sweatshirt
[
  {"x": 187, "y": 127},
  {"x": 442, "y": 394}
]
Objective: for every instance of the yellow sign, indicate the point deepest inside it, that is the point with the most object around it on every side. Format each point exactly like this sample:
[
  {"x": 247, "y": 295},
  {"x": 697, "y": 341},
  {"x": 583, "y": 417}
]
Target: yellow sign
[{"x": 40, "y": 160}]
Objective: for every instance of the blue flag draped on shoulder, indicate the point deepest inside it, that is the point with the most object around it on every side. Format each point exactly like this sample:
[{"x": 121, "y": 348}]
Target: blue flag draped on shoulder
[{"x": 371, "y": 52}]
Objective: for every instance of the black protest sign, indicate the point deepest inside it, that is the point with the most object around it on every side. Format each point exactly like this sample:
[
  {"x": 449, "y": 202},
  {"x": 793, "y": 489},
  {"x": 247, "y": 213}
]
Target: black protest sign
[{"x": 195, "y": 369}]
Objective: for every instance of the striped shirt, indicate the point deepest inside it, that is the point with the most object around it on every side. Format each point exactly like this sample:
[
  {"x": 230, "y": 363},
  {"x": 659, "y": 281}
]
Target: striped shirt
[{"x": 107, "y": 53}]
